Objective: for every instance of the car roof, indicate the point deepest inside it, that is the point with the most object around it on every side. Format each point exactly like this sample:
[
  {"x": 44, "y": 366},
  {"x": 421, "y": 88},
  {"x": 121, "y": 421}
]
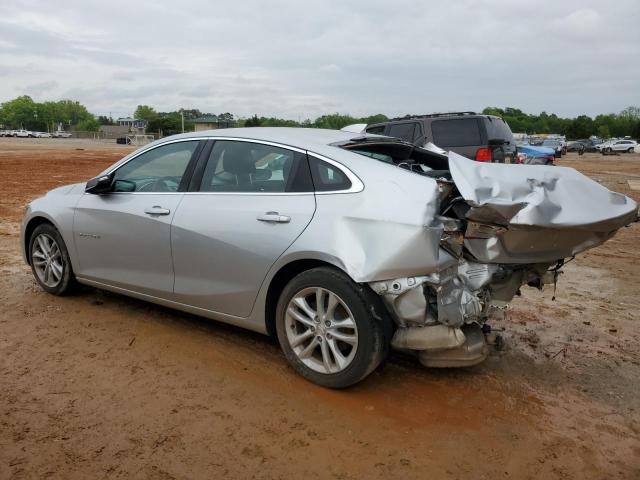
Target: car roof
[{"x": 303, "y": 138}]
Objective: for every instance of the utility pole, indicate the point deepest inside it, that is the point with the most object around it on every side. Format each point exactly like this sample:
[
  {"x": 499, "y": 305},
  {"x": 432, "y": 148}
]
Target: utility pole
[{"x": 182, "y": 115}]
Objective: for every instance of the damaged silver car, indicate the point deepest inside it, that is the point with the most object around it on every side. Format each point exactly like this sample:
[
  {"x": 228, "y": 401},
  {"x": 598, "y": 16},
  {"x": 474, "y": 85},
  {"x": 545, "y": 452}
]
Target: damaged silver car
[{"x": 341, "y": 246}]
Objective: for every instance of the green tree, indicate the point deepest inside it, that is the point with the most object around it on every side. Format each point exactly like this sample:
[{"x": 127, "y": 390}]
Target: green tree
[
  {"x": 253, "y": 121},
  {"x": 603, "y": 131},
  {"x": 145, "y": 112},
  {"x": 21, "y": 112},
  {"x": 88, "y": 125}
]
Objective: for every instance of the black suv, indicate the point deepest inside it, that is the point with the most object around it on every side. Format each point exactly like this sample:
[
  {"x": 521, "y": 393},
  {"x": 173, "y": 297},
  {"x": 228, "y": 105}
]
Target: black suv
[{"x": 485, "y": 138}]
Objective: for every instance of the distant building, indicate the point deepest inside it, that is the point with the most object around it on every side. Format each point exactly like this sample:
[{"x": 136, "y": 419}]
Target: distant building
[
  {"x": 211, "y": 122},
  {"x": 114, "y": 131},
  {"x": 207, "y": 122},
  {"x": 136, "y": 123}
]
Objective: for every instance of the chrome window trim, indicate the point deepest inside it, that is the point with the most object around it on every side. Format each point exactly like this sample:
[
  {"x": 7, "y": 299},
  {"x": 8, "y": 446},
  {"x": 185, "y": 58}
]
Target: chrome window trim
[
  {"x": 356, "y": 183},
  {"x": 120, "y": 164}
]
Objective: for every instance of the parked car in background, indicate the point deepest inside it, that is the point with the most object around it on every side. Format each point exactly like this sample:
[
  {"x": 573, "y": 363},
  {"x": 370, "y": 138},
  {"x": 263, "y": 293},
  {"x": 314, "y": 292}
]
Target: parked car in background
[
  {"x": 585, "y": 144},
  {"x": 339, "y": 246},
  {"x": 536, "y": 155},
  {"x": 21, "y": 133},
  {"x": 41, "y": 135},
  {"x": 61, "y": 134},
  {"x": 618, "y": 146},
  {"x": 484, "y": 138},
  {"x": 556, "y": 145}
]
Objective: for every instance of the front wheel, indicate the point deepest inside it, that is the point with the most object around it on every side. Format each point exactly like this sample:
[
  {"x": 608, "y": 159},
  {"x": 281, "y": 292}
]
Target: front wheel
[
  {"x": 332, "y": 330},
  {"x": 630, "y": 150},
  {"x": 50, "y": 261}
]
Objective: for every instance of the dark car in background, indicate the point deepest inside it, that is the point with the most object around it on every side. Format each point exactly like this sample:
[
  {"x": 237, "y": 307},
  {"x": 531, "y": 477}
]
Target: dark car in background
[
  {"x": 584, "y": 145},
  {"x": 484, "y": 138}
]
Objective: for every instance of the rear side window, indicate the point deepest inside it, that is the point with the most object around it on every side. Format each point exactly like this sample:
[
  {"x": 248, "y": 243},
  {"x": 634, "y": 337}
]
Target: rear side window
[
  {"x": 326, "y": 177},
  {"x": 236, "y": 166},
  {"x": 378, "y": 130},
  {"x": 404, "y": 131},
  {"x": 460, "y": 132}
]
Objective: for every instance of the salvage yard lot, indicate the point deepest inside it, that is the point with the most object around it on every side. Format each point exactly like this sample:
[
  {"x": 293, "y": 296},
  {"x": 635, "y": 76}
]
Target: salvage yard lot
[{"x": 99, "y": 385}]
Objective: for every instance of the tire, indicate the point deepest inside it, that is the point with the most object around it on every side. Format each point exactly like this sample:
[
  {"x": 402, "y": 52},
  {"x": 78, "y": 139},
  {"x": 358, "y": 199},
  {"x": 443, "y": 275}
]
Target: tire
[
  {"x": 630, "y": 150},
  {"x": 365, "y": 325},
  {"x": 60, "y": 279}
]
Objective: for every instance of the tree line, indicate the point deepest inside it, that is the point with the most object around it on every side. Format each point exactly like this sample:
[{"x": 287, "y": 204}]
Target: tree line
[
  {"x": 24, "y": 112},
  {"x": 627, "y": 122}
]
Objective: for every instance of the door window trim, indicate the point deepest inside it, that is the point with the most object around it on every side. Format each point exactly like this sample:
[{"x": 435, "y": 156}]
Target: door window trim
[
  {"x": 201, "y": 157},
  {"x": 186, "y": 176},
  {"x": 194, "y": 187}
]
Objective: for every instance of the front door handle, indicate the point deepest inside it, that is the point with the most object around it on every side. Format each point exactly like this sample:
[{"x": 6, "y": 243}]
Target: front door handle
[
  {"x": 274, "y": 217},
  {"x": 157, "y": 210}
]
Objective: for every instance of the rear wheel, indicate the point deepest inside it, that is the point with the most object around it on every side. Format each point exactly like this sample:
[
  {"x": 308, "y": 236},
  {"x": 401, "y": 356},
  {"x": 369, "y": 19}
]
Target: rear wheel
[
  {"x": 50, "y": 261},
  {"x": 331, "y": 329},
  {"x": 630, "y": 150}
]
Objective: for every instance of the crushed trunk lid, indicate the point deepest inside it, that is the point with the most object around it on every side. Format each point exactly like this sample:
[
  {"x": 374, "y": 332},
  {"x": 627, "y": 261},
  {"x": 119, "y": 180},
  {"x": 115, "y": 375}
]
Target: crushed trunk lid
[{"x": 535, "y": 213}]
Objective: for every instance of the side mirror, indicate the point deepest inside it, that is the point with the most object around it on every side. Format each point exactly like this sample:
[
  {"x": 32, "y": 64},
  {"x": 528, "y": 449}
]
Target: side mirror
[
  {"x": 99, "y": 185},
  {"x": 124, "y": 186}
]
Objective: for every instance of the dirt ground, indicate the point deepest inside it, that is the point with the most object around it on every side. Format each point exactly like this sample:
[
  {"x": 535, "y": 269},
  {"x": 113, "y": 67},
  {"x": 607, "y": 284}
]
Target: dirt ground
[{"x": 98, "y": 385}]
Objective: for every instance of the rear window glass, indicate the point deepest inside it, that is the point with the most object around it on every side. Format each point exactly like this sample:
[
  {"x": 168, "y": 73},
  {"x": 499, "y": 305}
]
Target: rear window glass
[
  {"x": 498, "y": 129},
  {"x": 405, "y": 131},
  {"x": 456, "y": 133}
]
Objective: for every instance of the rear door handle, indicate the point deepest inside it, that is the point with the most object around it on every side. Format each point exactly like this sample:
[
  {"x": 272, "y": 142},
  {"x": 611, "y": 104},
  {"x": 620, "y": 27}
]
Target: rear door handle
[
  {"x": 157, "y": 210},
  {"x": 274, "y": 217}
]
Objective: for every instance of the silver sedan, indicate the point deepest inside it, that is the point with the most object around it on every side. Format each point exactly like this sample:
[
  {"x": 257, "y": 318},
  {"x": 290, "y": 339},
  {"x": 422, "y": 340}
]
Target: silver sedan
[{"x": 341, "y": 245}]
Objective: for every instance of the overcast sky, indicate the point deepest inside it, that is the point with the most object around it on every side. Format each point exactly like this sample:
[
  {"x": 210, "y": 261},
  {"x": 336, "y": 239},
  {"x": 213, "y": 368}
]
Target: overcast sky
[{"x": 300, "y": 59}]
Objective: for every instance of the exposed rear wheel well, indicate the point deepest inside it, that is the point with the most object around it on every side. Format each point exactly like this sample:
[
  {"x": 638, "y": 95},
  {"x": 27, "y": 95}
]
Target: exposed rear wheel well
[
  {"x": 31, "y": 226},
  {"x": 279, "y": 281}
]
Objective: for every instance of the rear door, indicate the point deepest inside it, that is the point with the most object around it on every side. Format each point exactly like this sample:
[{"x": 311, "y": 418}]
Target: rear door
[{"x": 248, "y": 203}]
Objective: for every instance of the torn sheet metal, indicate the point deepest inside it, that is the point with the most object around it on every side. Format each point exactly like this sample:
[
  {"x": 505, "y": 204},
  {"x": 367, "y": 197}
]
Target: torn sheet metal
[{"x": 549, "y": 212}]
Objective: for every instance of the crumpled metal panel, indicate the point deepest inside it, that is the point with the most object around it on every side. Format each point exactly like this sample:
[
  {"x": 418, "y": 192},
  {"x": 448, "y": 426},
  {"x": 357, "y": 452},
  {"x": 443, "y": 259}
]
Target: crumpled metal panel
[
  {"x": 550, "y": 212},
  {"x": 390, "y": 232}
]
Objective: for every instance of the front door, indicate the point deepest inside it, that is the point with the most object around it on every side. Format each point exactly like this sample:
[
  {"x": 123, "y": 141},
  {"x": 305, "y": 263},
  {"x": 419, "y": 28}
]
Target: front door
[
  {"x": 252, "y": 201},
  {"x": 122, "y": 238}
]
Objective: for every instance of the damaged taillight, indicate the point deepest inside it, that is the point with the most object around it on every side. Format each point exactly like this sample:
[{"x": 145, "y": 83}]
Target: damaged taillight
[
  {"x": 484, "y": 155},
  {"x": 477, "y": 230}
]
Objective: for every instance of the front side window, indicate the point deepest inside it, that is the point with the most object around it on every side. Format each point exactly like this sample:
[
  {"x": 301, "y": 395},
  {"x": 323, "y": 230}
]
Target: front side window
[
  {"x": 158, "y": 170},
  {"x": 235, "y": 166}
]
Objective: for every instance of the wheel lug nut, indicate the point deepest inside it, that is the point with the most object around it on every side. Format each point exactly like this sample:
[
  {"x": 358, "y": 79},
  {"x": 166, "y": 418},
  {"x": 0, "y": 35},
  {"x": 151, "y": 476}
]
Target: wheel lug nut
[
  {"x": 329, "y": 336},
  {"x": 327, "y": 323},
  {"x": 319, "y": 337},
  {"x": 313, "y": 329}
]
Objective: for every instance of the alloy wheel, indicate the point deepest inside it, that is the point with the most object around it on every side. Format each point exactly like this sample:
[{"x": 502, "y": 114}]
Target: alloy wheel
[
  {"x": 321, "y": 330},
  {"x": 47, "y": 260}
]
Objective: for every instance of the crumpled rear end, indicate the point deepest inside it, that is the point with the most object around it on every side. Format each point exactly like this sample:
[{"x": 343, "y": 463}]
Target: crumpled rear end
[{"x": 535, "y": 213}]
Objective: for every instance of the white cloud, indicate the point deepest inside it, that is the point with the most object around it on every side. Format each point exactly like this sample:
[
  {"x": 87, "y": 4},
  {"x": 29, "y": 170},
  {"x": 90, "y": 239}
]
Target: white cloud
[
  {"x": 303, "y": 59},
  {"x": 581, "y": 23}
]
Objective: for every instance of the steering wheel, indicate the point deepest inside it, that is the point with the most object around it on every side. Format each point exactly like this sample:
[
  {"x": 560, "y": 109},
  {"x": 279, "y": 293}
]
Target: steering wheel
[{"x": 162, "y": 184}]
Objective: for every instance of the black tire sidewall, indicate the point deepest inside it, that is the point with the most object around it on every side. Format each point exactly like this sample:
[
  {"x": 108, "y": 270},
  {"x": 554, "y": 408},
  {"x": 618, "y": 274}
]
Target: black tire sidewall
[
  {"x": 372, "y": 340},
  {"x": 68, "y": 280}
]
